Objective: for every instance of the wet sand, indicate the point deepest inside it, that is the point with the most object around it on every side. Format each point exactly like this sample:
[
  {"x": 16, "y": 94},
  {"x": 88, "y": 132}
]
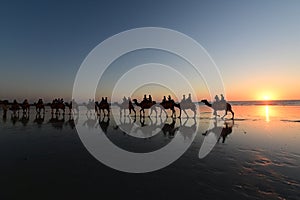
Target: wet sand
[{"x": 44, "y": 158}]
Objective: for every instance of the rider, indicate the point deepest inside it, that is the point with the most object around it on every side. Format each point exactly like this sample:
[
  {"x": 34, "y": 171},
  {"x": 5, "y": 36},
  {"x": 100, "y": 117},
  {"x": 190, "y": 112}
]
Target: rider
[
  {"x": 222, "y": 97},
  {"x": 217, "y": 98},
  {"x": 150, "y": 98},
  {"x": 145, "y": 98},
  {"x": 183, "y": 98},
  {"x": 169, "y": 98},
  {"x": 189, "y": 99},
  {"x": 164, "y": 99}
]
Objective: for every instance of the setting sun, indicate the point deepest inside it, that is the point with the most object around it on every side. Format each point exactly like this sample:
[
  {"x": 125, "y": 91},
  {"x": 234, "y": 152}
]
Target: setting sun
[{"x": 266, "y": 97}]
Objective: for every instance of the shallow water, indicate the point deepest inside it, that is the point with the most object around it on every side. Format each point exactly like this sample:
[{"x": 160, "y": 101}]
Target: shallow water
[{"x": 259, "y": 159}]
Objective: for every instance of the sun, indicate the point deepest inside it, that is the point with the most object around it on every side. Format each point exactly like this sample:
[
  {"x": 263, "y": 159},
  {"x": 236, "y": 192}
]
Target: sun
[{"x": 266, "y": 97}]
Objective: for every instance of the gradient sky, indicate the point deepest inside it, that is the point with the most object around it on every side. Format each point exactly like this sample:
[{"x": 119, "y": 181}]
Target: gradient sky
[{"x": 255, "y": 44}]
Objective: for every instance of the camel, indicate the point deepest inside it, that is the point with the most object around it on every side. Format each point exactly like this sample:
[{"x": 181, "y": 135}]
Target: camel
[
  {"x": 39, "y": 106},
  {"x": 146, "y": 104},
  {"x": 72, "y": 105},
  {"x": 188, "y": 105},
  {"x": 15, "y": 107},
  {"x": 25, "y": 106},
  {"x": 56, "y": 106},
  {"x": 125, "y": 105},
  {"x": 170, "y": 105},
  {"x": 4, "y": 107},
  {"x": 219, "y": 106},
  {"x": 90, "y": 106},
  {"x": 103, "y": 105}
]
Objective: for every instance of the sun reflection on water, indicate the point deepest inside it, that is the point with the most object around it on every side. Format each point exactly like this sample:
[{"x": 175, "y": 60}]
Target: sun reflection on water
[{"x": 267, "y": 113}]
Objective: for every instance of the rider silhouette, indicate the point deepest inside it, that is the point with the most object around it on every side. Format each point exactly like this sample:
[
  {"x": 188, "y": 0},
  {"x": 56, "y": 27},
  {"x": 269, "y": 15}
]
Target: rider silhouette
[
  {"x": 169, "y": 98},
  {"x": 189, "y": 99},
  {"x": 183, "y": 98},
  {"x": 150, "y": 98},
  {"x": 164, "y": 99},
  {"x": 222, "y": 97},
  {"x": 217, "y": 98}
]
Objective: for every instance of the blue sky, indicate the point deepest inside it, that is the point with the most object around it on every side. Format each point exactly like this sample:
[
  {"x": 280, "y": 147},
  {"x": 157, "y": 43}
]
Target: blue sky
[{"x": 255, "y": 44}]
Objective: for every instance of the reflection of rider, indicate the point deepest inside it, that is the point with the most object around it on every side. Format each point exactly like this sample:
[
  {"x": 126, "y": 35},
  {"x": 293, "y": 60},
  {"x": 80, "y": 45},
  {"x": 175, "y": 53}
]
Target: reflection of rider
[
  {"x": 150, "y": 98},
  {"x": 183, "y": 98},
  {"x": 124, "y": 99},
  {"x": 169, "y": 98},
  {"x": 222, "y": 97},
  {"x": 164, "y": 99}
]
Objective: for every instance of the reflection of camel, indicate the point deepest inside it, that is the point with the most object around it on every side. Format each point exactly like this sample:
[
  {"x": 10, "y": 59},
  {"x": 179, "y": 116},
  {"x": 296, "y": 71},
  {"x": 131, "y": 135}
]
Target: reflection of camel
[
  {"x": 170, "y": 105},
  {"x": 126, "y": 125},
  {"x": 221, "y": 105},
  {"x": 125, "y": 105},
  {"x": 39, "y": 106},
  {"x": 188, "y": 131},
  {"x": 146, "y": 104},
  {"x": 24, "y": 119},
  {"x": 169, "y": 129},
  {"x": 186, "y": 105},
  {"x": 71, "y": 122},
  {"x": 104, "y": 123},
  {"x": 56, "y": 122},
  {"x": 39, "y": 119},
  {"x": 221, "y": 130},
  {"x": 102, "y": 106},
  {"x": 90, "y": 122}
]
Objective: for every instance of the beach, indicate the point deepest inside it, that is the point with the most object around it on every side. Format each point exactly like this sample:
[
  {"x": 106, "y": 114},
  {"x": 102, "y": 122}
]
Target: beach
[{"x": 258, "y": 158}]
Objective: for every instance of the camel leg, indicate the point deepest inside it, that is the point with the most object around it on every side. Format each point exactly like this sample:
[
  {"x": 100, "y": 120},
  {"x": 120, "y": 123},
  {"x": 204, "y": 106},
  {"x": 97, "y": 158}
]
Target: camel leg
[{"x": 186, "y": 113}]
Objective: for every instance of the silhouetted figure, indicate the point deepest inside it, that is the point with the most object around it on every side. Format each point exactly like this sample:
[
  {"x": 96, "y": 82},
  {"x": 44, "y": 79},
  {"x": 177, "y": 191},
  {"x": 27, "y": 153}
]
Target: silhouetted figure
[
  {"x": 183, "y": 98},
  {"x": 169, "y": 98},
  {"x": 222, "y": 97},
  {"x": 189, "y": 99},
  {"x": 145, "y": 98},
  {"x": 164, "y": 99},
  {"x": 150, "y": 98},
  {"x": 217, "y": 99}
]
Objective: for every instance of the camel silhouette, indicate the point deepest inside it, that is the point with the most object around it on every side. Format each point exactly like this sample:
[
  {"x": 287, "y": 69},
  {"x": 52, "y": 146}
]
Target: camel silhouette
[
  {"x": 146, "y": 104},
  {"x": 25, "y": 106},
  {"x": 124, "y": 106},
  {"x": 185, "y": 105},
  {"x": 170, "y": 105},
  {"x": 102, "y": 106},
  {"x": 56, "y": 106},
  {"x": 39, "y": 106},
  {"x": 221, "y": 105}
]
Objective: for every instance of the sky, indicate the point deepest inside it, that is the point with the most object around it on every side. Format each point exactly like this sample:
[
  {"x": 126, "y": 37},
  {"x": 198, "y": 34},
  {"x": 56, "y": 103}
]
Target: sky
[{"x": 255, "y": 44}]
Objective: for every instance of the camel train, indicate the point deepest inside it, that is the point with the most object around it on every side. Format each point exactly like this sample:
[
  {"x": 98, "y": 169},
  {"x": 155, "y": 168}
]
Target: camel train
[{"x": 58, "y": 105}]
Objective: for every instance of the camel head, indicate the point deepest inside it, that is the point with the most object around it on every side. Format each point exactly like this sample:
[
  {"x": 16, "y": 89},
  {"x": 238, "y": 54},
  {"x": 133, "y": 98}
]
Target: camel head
[
  {"x": 206, "y": 102},
  {"x": 134, "y": 100}
]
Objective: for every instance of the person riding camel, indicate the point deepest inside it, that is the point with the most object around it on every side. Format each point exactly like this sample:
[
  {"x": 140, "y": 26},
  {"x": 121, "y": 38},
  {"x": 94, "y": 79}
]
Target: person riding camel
[
  {"x": 217, "y": 99},
  {"x": 183, "y": 98},
  {"x": 150, "y": 98},
  {"x": 164, "y": 99},
  {"x": 169, "y": 98},
  {"x": 189, "y": 99}
]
